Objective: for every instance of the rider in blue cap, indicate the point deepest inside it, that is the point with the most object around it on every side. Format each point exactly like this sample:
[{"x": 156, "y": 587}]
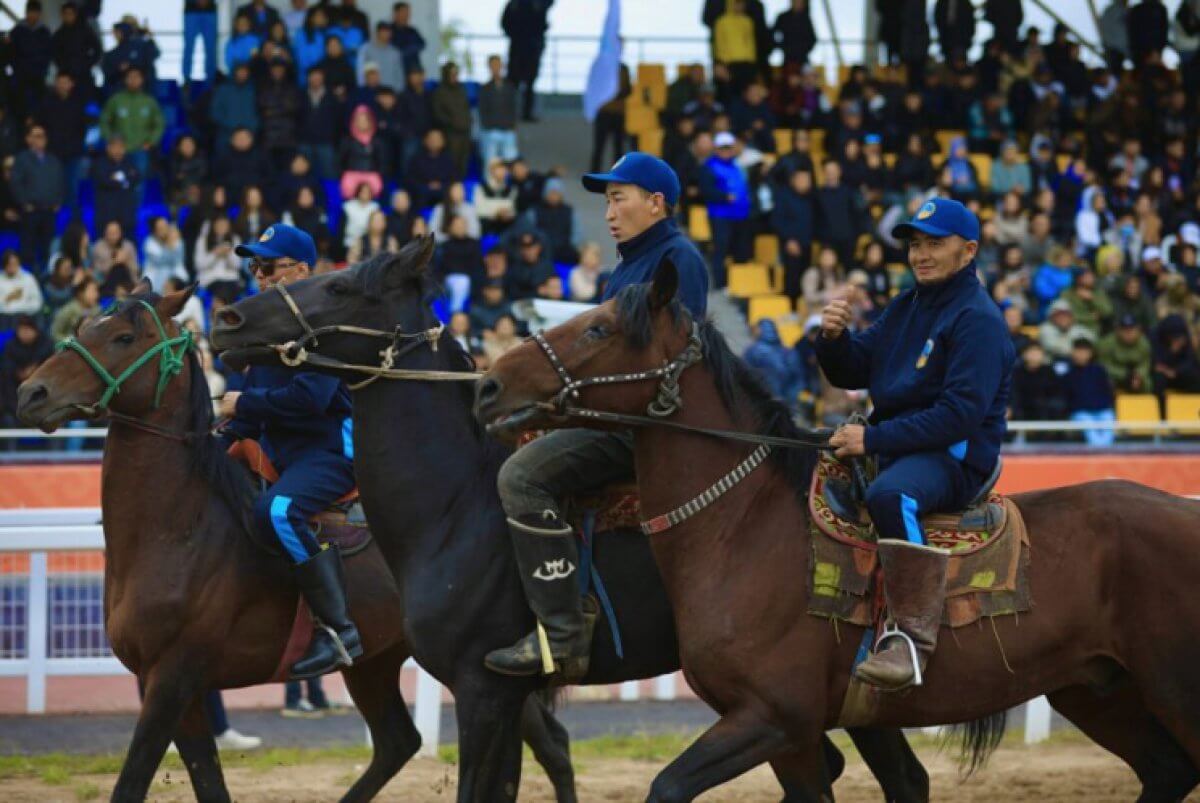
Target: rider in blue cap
[
  {"x": 641, "y": 192},
  {"x": 302, "y": 420},
  {"x": 938, "y": 364}
]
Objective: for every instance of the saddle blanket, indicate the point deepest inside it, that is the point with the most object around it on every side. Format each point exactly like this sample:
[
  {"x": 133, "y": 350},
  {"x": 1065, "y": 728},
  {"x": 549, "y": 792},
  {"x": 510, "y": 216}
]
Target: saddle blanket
[{"x": 987, "y": 575}]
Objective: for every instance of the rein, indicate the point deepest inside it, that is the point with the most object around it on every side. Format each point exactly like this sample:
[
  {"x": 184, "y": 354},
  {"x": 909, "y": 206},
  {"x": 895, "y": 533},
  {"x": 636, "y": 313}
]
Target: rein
[{"x": 295, "y": 353}]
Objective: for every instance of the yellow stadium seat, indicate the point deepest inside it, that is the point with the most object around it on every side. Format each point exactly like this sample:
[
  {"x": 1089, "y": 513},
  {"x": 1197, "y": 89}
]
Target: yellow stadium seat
[
  {"x": 783, "y": 140},
  {"x": 1031, "y": 331},
  {"x": 651, "y": 74},
  {"x": 1184, "y": 409},
  {"x": 766, "y": 249},
  {"x": 639, "y": 117},
  {"x": 790, "y": 332},
  {"x": 1062, "y": 161},
  {"x": 983, "y": 169},
  {"x": 1137, "y": 408},
  {"x": 749, "y": 280},
  {"x": 652, "y": 95},
  {"x": 772, "y": 306},
  {"x": 945, "y": 137},
  {"x": 843, "y": 74},
  {"x": 889, "y": 159},
  {"x": 698, "y": 228},
  {"x": 651, "y": 142}
]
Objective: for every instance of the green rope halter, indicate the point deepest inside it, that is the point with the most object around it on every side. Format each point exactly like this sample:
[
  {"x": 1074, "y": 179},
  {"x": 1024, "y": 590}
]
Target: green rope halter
[{"x": 170, "y": 362}]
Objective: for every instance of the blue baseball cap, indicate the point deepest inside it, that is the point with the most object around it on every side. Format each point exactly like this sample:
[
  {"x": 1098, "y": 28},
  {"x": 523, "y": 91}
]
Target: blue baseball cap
[
  {"x": 640, "y": 169},
  {"x": 940, "y": 217},
  {"x": 282, "y": 241}
]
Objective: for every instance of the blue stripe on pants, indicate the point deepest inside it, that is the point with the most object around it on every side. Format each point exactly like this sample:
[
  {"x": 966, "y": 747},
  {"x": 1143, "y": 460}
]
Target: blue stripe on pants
[
  {"x": 285, "y": 531},
  {"x": 912, "y": 519}
]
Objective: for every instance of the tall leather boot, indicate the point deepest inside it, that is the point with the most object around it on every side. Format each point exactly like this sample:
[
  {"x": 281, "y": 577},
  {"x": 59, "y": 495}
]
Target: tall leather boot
[
  {"x": 548, "y": 559},
  {"x": 914, "y": 578},
  {"x": 336, "y": 641}
]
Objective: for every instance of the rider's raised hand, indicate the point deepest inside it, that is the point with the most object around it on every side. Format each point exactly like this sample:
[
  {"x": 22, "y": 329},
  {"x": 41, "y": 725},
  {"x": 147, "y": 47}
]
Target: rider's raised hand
[{"x": 835, "y": 318}]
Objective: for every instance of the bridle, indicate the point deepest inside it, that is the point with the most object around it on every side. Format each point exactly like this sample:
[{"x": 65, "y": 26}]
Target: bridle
[{"x": 296, "y": 352}]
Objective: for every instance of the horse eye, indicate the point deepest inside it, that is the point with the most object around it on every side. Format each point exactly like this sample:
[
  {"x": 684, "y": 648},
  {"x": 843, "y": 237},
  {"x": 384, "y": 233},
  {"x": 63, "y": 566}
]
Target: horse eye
[
  {"x": 597, "y": 332},
  {"x": 124, "y": 339},
  {"x": 336, "y": 289}
]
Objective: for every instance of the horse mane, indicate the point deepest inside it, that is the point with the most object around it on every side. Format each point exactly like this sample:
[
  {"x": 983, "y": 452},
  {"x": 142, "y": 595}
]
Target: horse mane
[
  {"x": 373, "y": 271},
  {"x": 737, "y": 384}
]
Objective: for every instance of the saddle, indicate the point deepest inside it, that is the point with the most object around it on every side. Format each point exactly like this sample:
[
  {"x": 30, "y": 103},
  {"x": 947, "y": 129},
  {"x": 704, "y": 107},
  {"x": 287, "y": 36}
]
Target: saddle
[
  {"x": 343, "y": 524},
  {"x": 989, "y": 561}
]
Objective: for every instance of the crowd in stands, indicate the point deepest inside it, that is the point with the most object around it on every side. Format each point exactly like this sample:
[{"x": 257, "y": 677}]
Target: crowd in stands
[{"x": 1083, "y": 173}]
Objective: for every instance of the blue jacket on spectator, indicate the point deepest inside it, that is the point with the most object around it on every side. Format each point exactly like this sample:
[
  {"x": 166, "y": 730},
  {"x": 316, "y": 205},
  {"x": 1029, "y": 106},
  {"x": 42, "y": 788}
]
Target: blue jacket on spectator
[
  {"x": 352, "y": 40},
  {"x": 641, "y": 256},
  {"x": 728, "y": 180},
  {"x": 307, "y": 50},
  {"x": 938, "y": 364},
  {"x": 294, "y": 414},
  {"x": 240, "y": 49},
  {"x": 1049, "y": 282},
  {"x": 1088, "y": 389},
  {"x": 777, "y": 365},
  {"x": 233, "y": 106}
]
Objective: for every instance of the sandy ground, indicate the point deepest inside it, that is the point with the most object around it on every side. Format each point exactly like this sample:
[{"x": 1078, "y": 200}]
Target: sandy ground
[{"x": 1058, "y": 772}]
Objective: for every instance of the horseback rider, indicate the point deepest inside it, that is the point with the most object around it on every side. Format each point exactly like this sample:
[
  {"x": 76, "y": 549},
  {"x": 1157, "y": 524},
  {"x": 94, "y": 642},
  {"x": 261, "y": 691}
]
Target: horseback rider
[
  {"x": 641, "y": 192},
  {"x": 302, "y": 420},
  {"x": 938, "y": 363}
]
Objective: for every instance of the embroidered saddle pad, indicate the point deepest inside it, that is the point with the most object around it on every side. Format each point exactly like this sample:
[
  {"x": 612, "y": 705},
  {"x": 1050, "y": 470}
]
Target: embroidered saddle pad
[{"x": 987, "y": 575}]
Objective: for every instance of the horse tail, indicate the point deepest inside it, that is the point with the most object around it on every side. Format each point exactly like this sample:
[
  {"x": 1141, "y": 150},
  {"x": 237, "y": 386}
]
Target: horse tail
[
  {"x": 551, "y": 697},
  {"x": 978, "y": 739}
]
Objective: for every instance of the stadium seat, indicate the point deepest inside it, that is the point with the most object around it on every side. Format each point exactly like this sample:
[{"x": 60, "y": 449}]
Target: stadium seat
[
  {"x": 983, "y": 169},
  {"x": 651, "y": 141},
  {"x": 698, "y": 228},
  {"x": 1184, "y": 408},
  {"x": 639, "y": 117},
  {"x": 749, "y": 280},
  {"x": 652, "y": 95},
  {"x": 770, "y": 306},
  {"x": 783, "y": 141},
  {"x": 889, "y": 159},
  {"x": 766, "y": 249},
  {"x": 649, "y": 74},
  {"x": 945, "y": 137},
  {"x": 790, "y": 332},
  {"x": 1137, "y": 407}
]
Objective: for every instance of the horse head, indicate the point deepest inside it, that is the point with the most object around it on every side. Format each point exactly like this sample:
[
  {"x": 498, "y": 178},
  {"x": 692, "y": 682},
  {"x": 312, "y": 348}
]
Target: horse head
[
  {"x": 387, "y": 293},
  {"x": 612, "y": 358},
  {"x": 110, "y": 362}
]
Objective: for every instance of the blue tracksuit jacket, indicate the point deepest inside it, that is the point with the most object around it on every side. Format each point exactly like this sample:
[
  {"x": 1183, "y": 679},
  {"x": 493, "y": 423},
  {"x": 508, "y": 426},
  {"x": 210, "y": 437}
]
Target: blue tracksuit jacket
[
  {"x": 641, "y": 255},
  {"x": 938, "y": 364}
]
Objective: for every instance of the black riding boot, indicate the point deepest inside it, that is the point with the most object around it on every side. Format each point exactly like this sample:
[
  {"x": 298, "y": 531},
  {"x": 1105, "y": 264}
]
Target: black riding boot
[
  {"x": 548, "y": 559},
  {"x": 336, "y": 642}
]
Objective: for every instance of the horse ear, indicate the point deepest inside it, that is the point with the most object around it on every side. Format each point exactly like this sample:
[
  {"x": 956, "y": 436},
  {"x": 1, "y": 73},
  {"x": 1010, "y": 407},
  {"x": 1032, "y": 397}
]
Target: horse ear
[
  {"x": 172, "y": 303},
  {"x": 411, "y": 263},
  {"x": 143, "y": 287},
  {"x": 666, "y": 283}
]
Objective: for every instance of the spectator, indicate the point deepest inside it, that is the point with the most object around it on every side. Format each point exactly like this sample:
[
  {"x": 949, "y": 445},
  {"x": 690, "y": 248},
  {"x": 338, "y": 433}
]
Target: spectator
[
  {"x": 218, "y": 268},
  {"x": 37, "y": 190},
  {"x": 406, "y": 38},
  {"x": 308, "y": 44},
  {"x": 1009, "y": 174},
  {"x": 502, "y": 336},
  {"x": 361, "y": 155},
  {"x": 279, "y": 104},
  {"x": 58, "y": 287},
  {"x": 188, "y": 169},
  {"x": 430, "y": 171},
  {"x": 241, "y": 165},
  {"x": 530, "y": 267},
  {"x": 386, "y": 58},
  {"x": 585, "y": 279},
  {"x": 339, "y": 72},
  {"x": 683, "y": 90},
  {"x": 1146, "y": 26},
  {"x": 29, "y": 52},
  {"x": 1131, "y": 299},
  {"x": 305, "y": 213},
  {"x": 136, "y": 118},
  {"x": 609, "y": 123},
  {"x": 489, "y": 306},
  {"x": 1089, "y": 394},
  {"x": 1012, "y": 226},
  {"x": 417, "y": 114},
  {"x": 200, "y": 22},
  {"x": 776, "y": 364},
  {"x": 1089, "y": 303},
  {"x": 76, "y": 50},
  {"x": 495, "y": 199},
  {"x": 990, "y": 124},
  {"x": 20, "y": 293},
  {"x": 459, "y": 262},
  {"x": 452, "y": 114},
  {"x": 253, "y": 217},
  {"x": 1125, "y": 354},
  {"x": 1052, "y": 277},
  {"x": 556, "y": 221},
  {"x": 524, "y": 23},
  {"x": 1114, "y": 35},
  {"x": 319, "y": 125},
  {"x": 824, "y": 281},
  {"x": 963, "y": 180},
  {"x": 1092, "y": 223},
  {"x": 163, "y": 254},
  {"x": 22, "y": 355},
  {"x": 400, "y": 216},
  {"x": 116, "y": 184},
  {"x": 839, "y": 212},
  {"x": 794, "y": 33},
  {"x": 375, "y": 240},
  {"x": 1176, "y": 300},
  {"x": 135, "y": 49},
  {"x": 792, "y": 220},
  {"x": 115, "y": 254},
  {"x": 261, "y": 15},
  {"x": 727, "y": 195},
  {"x": 63, "y": 115},
  {"x": 84, "y": 303},
  {"x": 455, "y": 204},
  {"x": 356, "y": 213},
  {"x": 1060, "y": 331},
  {"x": 497, "y": 115},
  {"x": 751, "y": 118},
  {"x": 1039, "y": 394},
  {"x": 735, "y": 45},
  {"x": 1006, "y": 17},
  {"x": 243, "y": 44},
  {"x": 234, "y": 106},
  {"x": 955, "y": 21},
  {"x": 349, "y": 25}
]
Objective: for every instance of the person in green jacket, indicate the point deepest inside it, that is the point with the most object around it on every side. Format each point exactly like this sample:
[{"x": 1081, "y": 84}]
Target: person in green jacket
[
  {"x": 1125, "y": 354},
  {"x": 1091, "y": 305},
  {"x": 135, "y": 117},
  {"x": 84, "y": 303},
  {"x": 452, "y": 114}
]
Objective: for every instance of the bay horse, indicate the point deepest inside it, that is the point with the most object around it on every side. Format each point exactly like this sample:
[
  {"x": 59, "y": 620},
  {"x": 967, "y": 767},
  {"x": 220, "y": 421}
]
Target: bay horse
[
  {"x": 1113, "y": 564},
  {"x": 191, "y": 603},
  {"x": 427, "y": 474}
]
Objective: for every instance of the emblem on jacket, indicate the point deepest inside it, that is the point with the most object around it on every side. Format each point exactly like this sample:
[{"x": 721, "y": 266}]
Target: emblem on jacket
[
  {"x": 925, "y": 352},
  {"x": 554, "y": 570}
]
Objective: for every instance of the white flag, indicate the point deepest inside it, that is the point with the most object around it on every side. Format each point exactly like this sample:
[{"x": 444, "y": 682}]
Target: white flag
[{"x": 604, "y": 78}]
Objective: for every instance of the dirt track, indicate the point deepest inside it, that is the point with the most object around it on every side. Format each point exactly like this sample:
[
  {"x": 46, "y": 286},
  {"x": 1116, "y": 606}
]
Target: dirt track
[{"x": 1057, "y": 772}]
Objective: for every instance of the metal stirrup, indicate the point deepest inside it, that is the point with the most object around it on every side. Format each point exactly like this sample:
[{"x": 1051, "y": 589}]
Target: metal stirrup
[{"x": 892, "y": 630}]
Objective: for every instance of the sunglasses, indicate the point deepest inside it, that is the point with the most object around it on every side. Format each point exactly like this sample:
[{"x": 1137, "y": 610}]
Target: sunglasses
[{"x": 267, "y": 269}]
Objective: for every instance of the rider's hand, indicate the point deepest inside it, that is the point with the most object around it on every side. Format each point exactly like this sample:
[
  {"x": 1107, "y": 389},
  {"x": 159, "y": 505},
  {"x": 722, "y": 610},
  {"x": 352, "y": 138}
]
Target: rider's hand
[
  {"x": 835, "y": 318},
  {"x": 229, "y": 404},
  {"x": 850, "y": 441}
]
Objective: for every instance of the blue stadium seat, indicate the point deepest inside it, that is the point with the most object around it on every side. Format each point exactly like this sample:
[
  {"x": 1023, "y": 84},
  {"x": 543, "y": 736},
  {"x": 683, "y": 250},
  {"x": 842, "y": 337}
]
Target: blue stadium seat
[{"x": 564, "y": 273}]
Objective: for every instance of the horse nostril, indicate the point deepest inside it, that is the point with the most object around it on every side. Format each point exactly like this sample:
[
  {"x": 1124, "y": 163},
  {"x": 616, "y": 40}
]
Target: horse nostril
[
  {"x": 36, "y": 393},
  {"x": 230, "y": 318},
  {"x": 488, "y": 391}
]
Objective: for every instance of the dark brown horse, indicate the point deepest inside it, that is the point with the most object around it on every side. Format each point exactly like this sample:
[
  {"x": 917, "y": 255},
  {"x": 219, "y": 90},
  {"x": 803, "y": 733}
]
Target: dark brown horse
[
  {"x": 190, "y": 602},
  {"x": 1112, "y": 571}
]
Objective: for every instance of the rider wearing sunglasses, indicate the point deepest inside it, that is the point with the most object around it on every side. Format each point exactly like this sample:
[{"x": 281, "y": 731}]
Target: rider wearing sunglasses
[{"x": 302, "y": 420}]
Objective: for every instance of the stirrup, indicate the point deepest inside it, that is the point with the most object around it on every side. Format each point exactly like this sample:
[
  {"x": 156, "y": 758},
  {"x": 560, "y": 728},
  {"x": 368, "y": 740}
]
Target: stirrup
[
  {"x": 343, "y": 654},
  {"x": 892, "y": 630}
]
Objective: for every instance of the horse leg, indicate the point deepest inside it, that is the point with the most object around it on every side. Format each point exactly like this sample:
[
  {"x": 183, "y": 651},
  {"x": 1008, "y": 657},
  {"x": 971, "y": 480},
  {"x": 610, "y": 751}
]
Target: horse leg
[
  {"x": 891, "y": 760},
  {"x": 198, "y": 750},
  {"x": 169, "y": 691},
  {"x": 1120, "y": 723},
  {"x": 735, "y": 744},
  {"x": 489, "y": 740},
  {"x": 374, "y": 686},
  {"x": 550, "y": 743},
  {"x": 795, "y": 772}
]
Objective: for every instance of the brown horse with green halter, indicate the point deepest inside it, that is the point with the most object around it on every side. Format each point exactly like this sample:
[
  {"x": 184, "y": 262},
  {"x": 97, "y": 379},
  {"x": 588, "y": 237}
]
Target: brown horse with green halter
[
  {"x": 1113, "y": 565},
  {"x": 191, "y": 602}
]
